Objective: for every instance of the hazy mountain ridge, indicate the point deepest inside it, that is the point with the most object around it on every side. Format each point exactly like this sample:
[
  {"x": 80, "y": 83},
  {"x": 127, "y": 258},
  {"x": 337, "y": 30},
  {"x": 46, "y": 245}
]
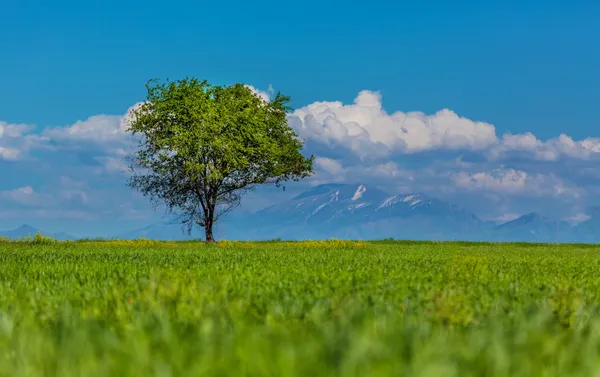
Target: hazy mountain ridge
[
  {"x": 360, "y": 211},
  {"x": 25, "y": 230},
  {"x": 363, "y": 212}
]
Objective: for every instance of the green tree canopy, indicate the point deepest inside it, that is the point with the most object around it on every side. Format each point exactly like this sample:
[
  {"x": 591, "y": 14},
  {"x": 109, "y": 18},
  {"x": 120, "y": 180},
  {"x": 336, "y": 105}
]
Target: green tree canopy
[{"x": 203, "y": 146}]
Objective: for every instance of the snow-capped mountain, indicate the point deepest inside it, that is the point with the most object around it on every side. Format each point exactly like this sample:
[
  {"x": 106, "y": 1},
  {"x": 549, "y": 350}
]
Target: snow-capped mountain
[
  {"x": 360, "y": 211},
  {"x": 325, "y": 204}
]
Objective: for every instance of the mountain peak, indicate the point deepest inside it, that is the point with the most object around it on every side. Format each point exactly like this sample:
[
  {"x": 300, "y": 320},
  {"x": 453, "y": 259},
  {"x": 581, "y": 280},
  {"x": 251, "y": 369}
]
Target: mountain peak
[
  {"x": 23, "y": 230},
  {"x": 412, "y": 200},
  {"x": 320, "y": 189},
  {"x": 526, "y": 219},
  {"x": 532, "y": 216},
  {"x": 25, "y": 227},
  {"x": 359, "y": 192}
]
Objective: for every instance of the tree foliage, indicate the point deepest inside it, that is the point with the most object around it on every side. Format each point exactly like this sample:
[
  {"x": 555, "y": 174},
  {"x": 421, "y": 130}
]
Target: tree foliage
[{"x": 203, "y": 146}]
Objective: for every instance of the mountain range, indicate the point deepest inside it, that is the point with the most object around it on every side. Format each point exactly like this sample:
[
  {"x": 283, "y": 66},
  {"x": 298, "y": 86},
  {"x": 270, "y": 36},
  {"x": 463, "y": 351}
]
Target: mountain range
[
  {"x": 26, "y": 230},
  {"x": 358, "y": 211}
]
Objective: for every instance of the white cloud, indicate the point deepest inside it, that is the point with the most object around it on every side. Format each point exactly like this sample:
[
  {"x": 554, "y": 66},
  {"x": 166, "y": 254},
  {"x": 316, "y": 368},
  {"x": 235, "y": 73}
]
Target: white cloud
[
  {"x": 70, "y": 195},
  {"x": 20, "y": 194},
  {"x": 70, "y": 183},
  {"x": 10, "y": 154},
  {"x": 112, "y": 164},
  {"x": 329, "y": 165},
  {"x": 103, "y": 129},
  {"x": 97, "y": 128},
  {"x": 264, "y": 95},
  {"x": 365, "y": 126},
  {"x": 498, "y": 180},
  {"x": 13, "y": 130},
  {"x": 366, "y": 129},
  {"x": 331, "y": 170},
  {"x": 578, "y": 218},
  {"x": 376, "y": 138},
  {"x": 511, "y": 181},
  {"x": 110, "y": 129},
  {"x": 13, "y": 143},
  {"x": 28, "y": 196},
  {"x": 550, "y": 150}
]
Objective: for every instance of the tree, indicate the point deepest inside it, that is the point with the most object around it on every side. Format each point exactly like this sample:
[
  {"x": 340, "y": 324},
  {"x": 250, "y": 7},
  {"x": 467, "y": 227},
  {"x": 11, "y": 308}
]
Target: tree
[{"x": 203, "y": 146}]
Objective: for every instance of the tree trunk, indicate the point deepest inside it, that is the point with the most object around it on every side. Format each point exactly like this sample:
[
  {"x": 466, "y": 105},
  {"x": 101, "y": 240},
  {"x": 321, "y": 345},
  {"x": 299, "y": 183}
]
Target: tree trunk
[
  {"x": 210, "y": 220},
  {"x": 208, "y": 230}
]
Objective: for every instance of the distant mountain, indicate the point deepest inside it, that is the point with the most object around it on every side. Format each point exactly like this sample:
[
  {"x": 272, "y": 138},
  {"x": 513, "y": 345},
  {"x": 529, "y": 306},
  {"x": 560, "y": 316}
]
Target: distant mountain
[
  {"x": 589, "y": 230},
  {"x": 534, "y": 226},
  {"x": 325, "y": 204},
  {"x": 24, "y": 230},
  {"x": 361, "y": 211},
  {"x": 161, "y": 231}
]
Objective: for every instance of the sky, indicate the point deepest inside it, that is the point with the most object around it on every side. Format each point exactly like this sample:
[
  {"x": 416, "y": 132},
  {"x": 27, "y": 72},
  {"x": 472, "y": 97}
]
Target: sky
[{"x": 494, "y": 106}]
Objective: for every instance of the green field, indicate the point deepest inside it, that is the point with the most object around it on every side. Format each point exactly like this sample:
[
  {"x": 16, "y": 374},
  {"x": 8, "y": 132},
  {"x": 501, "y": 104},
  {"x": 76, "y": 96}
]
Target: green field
[{"x": 299, "y": 309}]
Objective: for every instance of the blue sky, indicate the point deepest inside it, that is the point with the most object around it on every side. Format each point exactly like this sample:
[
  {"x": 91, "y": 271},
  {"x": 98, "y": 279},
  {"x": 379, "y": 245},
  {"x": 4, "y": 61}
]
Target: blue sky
[{"x": 70, "y": 72}]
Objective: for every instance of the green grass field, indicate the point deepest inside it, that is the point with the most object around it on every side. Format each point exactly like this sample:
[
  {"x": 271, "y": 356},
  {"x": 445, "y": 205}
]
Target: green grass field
[{"x": 306, "y": 309}]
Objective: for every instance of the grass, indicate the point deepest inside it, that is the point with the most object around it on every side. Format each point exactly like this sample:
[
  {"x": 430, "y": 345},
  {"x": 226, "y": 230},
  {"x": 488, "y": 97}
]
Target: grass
[{"x": 144, "y": 308}]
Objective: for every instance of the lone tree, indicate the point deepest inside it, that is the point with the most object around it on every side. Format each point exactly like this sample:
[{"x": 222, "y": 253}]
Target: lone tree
[{"x": 203, "y": 146}]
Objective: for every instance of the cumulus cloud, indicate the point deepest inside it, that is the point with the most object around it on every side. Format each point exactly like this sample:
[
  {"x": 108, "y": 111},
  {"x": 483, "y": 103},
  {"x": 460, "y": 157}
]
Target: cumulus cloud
[
  {"x": 365, "y": 126},
  {"x": 266, "y": 96},
  {"x": 110, "y": 129},
  {"x": 10, "y": 154},
  {"x": 26, "y": 195},
  {"x": 550, "y": 150},
  {"x": 85, "y": 197},
  {"x": 511, "y": 181},
  {"x": 441, "y": 153},
  {"x": 578, "y": 218},
  {"x": 97, "y": 128},
  {"x": 103, "y": 129},
  {"x": 329, "y": 165},
  {"x": 13, "y": 130},
  {"x": 331, "y": 170},
  {"x": 112, "y": 164},
  {"x": 14, "y": 143}
]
